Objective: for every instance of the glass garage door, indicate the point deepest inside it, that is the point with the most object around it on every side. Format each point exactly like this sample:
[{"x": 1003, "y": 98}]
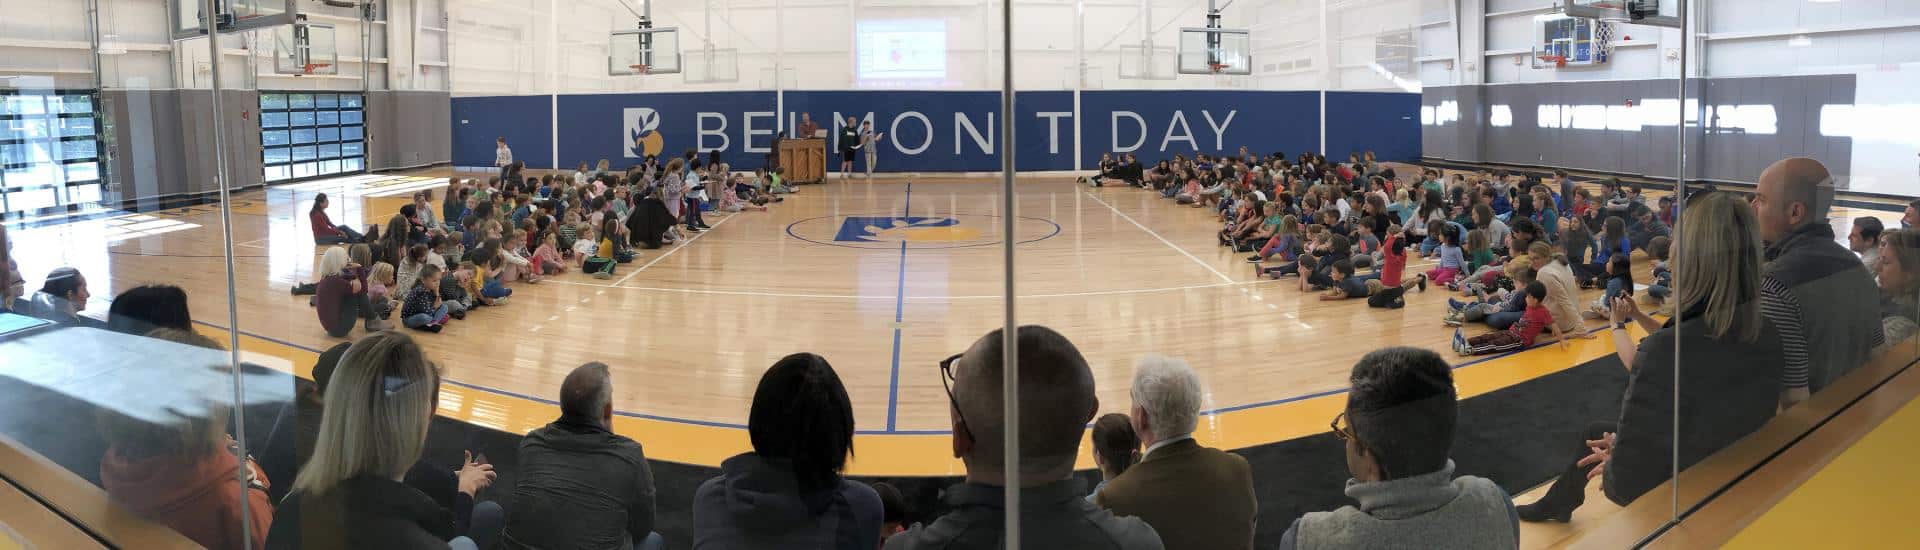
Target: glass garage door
[
  {"x": 49, "y": 151},
  {"x": 311, "y": 134}
]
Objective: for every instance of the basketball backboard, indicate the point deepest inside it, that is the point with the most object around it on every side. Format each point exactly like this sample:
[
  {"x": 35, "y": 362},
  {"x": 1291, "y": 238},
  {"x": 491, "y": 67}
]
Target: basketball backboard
[
  {"x": 1658, "y": 13},
  {"x": 712, "y": 65},
  {"x": 1564, "y": 41},
  {"x": 233, "y": 15},
  {"x": 305, "y": 49},
  {"x": 1215, "y": 51},
  {"x": 644, "y": 51},
  {"x": 1143, "y": 62}
]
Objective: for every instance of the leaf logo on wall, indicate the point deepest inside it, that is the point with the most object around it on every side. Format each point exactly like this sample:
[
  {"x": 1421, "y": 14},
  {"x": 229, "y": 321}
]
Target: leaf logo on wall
[{"x": 642, "y": 133}]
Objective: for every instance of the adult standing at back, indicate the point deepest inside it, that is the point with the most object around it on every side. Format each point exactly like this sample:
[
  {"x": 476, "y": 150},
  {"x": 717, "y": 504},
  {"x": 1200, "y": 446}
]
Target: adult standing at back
[
  {"x": 581, "y": 485},
  {"x": 1814, "y": 291},
  {"x": 1056, "y": 401},
  {"x": 502, "y": 157},
  {"x": 1195, "y": 497}
]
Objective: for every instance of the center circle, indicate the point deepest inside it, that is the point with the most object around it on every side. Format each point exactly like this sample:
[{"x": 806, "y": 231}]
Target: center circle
[{"x": 888, "y": 231}]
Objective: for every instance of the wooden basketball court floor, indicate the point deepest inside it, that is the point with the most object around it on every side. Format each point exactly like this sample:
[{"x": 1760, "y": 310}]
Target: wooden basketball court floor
[{"x": 883, "y": 278}]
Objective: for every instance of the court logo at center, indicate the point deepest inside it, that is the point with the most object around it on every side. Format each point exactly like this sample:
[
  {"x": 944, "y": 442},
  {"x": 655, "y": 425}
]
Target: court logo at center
[
  {"x": 913, "y": 229},
  {"x": 642, "y": 132}
]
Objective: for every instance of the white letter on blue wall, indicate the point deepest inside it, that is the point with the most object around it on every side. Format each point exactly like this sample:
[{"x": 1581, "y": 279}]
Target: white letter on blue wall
[
  {"x": 700, "y": 125},
  {"x": 985, "y": 142},
  {"x": 1186, "y": 133},
  {"x": 1137, "y": 121},
  {"x": 1219, "y": 130},
  {"x": 894, "y": 129},
  {"x": 1053, "y": 128},
  {"x": 747, "y": 131}
]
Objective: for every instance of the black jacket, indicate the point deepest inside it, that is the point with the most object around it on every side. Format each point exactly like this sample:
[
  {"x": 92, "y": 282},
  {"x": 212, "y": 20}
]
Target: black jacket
[
  {"x": 1729, "y": 389},
  {"x": 363, "y": 513},
  {"x": 581, "y": 487}
]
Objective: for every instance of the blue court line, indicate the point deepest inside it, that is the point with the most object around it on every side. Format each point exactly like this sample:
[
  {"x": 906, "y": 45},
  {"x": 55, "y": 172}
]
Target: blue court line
[
  {"x": 899, "y": 313},
  {"x": 893, "y": 390}
]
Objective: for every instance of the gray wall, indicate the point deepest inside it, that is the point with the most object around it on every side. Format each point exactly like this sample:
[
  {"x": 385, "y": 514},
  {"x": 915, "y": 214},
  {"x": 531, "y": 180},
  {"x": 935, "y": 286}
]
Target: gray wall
[
  {"x": 1724, "y": 155},
  {"x": 163, "y": 142},
  {"x": 407, "y": 129}
]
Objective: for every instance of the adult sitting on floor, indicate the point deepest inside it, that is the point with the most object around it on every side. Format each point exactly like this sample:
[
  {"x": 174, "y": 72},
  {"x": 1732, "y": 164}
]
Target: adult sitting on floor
[
  {"x": 1398, "y": 428},
  {"x": 1814, "y": 291},
  {"x": 1728, "y": 368}
]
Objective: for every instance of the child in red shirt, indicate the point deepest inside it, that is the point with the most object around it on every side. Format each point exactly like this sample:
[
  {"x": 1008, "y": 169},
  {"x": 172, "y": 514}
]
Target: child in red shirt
[{"x": 1520, "y": 335}]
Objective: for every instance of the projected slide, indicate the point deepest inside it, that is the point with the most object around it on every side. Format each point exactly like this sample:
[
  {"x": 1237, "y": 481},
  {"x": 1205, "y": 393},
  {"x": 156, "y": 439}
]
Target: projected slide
[{"x": 902, "y": 52}]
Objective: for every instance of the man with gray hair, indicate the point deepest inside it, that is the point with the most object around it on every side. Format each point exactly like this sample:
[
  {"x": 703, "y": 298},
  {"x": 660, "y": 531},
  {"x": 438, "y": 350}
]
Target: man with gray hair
[
  {"x": 1818, "y": 295},
  {"x": 582, "y": 486},
  {"x": 1195, "y": 497}
]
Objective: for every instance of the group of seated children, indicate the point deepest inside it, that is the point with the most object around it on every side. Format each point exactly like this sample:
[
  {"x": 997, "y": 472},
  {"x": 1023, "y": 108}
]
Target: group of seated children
[
  {"x": 1323, "y": 222},
  {"x": 433, "y": 267}
]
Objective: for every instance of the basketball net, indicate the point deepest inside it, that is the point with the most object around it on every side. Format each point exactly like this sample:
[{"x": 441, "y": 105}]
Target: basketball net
[
  {"x": 638, "y": 69},
  {"x": 308, "y": 68}
]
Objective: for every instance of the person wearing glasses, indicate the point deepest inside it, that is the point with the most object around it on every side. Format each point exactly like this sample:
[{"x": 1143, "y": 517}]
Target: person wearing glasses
[
  {"x": 1194, "y": 497},
  {"x": 1056, "y": 402},
  {"x": 1398, "y": 428},
  {"x": 789, "y": 492}
]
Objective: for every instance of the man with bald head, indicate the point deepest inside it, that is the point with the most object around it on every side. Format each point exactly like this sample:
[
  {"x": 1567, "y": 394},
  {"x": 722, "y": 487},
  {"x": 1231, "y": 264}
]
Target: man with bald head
[
  {"x": 1818, "y": 295},
  {"x": 582, "y": 486},
  {"x": 1056, "y": 402}
]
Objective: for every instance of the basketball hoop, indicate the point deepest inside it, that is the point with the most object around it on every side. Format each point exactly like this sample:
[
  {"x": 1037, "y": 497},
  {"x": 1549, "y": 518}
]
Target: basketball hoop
[
  {"x": 307, "y": 70},
  {"x": 1558, "y": 61},
  {"x": 638, "y": 69},
  {"x": 1216, "y": 67}
]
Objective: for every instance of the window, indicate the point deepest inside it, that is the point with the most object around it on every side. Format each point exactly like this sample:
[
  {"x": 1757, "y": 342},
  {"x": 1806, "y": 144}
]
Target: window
[
  {"x": 49, "y": 151},
  {"x": 297, "y": 129}
]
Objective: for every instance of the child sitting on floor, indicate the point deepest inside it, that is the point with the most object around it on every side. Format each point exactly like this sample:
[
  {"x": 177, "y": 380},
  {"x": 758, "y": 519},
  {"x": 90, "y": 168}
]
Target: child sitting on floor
[
  {"x": 546, "y": 259},
  {"x": 1315, "y": 240},
  {"x": 1497, "y": 308},
  {"x": 491, "y": 292},
  {"x": 1345, "y": 285},
  {"x": 423, "y": 309},
  {"x": 1388, "y": 284},
  {"x": 1662, "y": 285},
  {"x": 453, "y": 290},
  {"x": 1479, "y": 256},
  {"x": 1452, "y": 258},
  {"x": 1619, "y": 282},
  {"x": 1520, "y": 335},
  {"x": 380, "y": 283}
]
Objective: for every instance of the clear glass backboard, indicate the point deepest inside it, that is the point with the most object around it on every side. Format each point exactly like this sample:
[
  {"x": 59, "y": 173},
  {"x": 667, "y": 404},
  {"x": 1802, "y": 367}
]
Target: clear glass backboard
[
  {"x": 1659, "y": 13},
  {"x": 644, "y": 51},
  {"x": 1215, "y": 51},
  {"x": 234, "y": 15},
  {"x": 1142, "y": 62},
  {"x": 305, "y": 49}
]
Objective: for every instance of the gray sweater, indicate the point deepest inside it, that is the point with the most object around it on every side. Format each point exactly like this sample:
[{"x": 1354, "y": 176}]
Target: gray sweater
[{"x": 1433, "y": 510}]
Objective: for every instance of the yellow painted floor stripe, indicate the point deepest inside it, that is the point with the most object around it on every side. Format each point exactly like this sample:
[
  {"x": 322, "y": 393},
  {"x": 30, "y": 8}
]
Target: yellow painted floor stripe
[
  {"x": 1863, "y": 499},
  {"x": 930, "y": 454}
]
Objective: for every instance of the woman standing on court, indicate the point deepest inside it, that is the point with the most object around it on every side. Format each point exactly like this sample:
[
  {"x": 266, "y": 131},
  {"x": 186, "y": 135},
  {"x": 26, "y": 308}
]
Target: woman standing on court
[
  {"x": 870, "y": 142},
  {"x": 1730, "y": 366},
  {"x": 848, "y": 142}
]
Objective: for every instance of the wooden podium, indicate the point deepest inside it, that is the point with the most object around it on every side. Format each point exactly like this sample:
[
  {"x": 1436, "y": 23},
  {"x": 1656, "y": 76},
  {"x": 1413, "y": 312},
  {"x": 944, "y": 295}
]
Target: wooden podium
[{"x": 805, "y": 160}]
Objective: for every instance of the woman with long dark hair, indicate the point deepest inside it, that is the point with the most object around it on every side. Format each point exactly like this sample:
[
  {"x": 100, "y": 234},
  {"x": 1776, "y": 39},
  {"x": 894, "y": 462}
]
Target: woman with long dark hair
[
  {"x": 324, "y": 231},
  {"x": 788, "y": 492}
]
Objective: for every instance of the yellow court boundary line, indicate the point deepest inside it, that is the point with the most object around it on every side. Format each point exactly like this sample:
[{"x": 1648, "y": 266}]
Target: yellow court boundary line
[{"x": 929, "y": 454}]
